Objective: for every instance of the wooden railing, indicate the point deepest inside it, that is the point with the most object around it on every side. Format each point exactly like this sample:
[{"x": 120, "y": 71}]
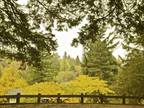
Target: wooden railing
[{"x": 58, "y": 99}]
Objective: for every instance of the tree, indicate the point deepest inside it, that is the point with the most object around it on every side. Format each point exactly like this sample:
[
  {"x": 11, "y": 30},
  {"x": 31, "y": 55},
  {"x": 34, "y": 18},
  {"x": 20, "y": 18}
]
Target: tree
[
  {"x": 19, "y": 29},
  {"x": 68, "y": 63},
  {"x": 99, "y": 61},
  {"x": 43, "y": 88},
  {"x": 130, "y": 78},
  {"x": 64, "y": 63},
  {"x": 6, "y": 62},
  {"x": 82, "y": 84},
  {"x": 126, "y": 16},
  {"x": 11, "y": 78},
  {"x": 70, "y": 68},
  {"x": 19, "y": 33},
  {"x": 85, "y": 84},
  {"x": 50, "y": 66},
  {"x": 64, "y": 76},
  {"x": 77, "y": 60}
]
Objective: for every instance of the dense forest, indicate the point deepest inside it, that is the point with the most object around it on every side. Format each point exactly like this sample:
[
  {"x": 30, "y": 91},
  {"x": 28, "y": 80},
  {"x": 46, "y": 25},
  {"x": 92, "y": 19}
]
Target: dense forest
[{"x": 28, "y": 58}]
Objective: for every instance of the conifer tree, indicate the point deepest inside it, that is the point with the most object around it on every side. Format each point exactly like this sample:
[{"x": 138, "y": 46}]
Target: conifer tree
[{"x": 99, "y": 61}]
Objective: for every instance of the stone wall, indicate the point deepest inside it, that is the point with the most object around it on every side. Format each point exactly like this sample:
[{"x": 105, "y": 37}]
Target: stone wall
[{"x": 70, "y": 106}]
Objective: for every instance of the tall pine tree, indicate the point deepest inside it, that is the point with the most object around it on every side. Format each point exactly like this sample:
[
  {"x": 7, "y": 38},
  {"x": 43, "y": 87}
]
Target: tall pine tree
[
  {"x": 99, "y": 61},
  {"x": 49, "y": 69}
]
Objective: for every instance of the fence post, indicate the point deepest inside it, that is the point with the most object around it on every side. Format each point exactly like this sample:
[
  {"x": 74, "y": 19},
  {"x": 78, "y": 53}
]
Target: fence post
[
  {"x": 58, "y": 98},
  {"x": 18, "y": 98},
  {"x": 82, "y": 98},
  {"x": 123, "y": 99},
  {"x": 101, "y": 99},
  {"x": 39, "y": 98}
]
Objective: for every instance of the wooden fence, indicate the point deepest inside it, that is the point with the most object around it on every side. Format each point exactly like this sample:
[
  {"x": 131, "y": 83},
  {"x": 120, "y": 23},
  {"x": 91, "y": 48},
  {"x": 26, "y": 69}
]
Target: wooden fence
[{"x": 58, "y": 99}]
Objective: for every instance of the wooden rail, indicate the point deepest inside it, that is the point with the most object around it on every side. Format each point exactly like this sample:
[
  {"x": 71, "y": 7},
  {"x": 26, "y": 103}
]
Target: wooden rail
[{"x": 59, "y": 98}]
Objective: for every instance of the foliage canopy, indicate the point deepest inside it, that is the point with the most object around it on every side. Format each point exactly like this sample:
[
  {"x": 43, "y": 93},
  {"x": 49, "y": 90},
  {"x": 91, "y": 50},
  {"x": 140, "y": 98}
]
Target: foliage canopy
[{"x": 21, "y": 39}]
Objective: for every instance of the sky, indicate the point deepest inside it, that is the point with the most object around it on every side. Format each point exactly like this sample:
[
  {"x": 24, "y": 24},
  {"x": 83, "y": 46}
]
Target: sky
[{"x": 65, "y": 38}]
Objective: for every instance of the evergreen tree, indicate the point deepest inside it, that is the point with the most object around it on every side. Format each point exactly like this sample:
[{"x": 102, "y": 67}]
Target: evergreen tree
[
  {"x": 49, "y": 69},
  {"x": 20, "y": 38},
  {"x": 131, "y": 77},
  {"x": 69, "y": 68},
  {"x": 65, "y": 55},
  {"x": 77, "y": 60},
  {"x": 19, "y": 29},
  {"x": 64, "y": 63},
  {"x": 99, "y": 61}
]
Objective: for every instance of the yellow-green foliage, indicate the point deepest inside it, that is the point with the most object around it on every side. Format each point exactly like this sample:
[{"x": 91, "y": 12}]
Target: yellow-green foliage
[
  {"x": 43, "y": 88},
  {"x": 11, "y": 78},
  {"x": 64, "y": 76},
  {"x": 82, "y": 84},
  {"x": 85, "y": 84}
]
